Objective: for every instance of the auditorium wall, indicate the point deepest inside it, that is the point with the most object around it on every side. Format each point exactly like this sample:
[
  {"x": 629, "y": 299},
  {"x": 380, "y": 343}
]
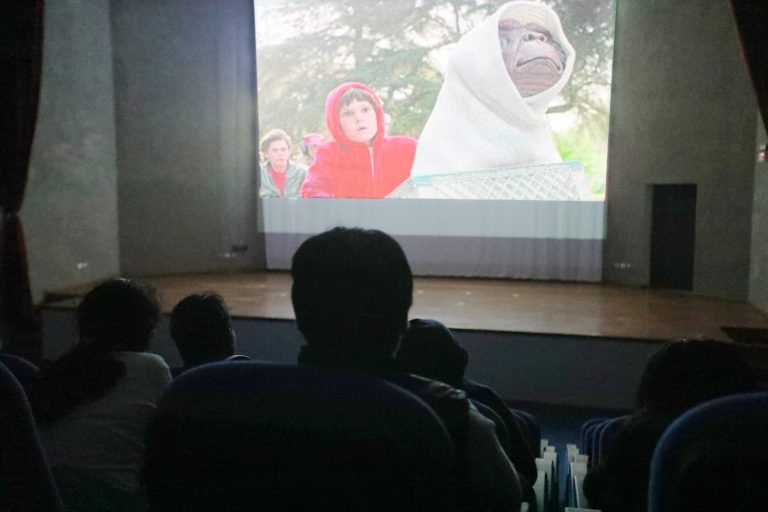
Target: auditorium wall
[
  {"x": 758, "y": 283},
  {"x": 167, "y": 140},
  {"x": 70, "y": 206},
  {"x": 683, "y": 111},
  {"x": 184, "y": 88}
]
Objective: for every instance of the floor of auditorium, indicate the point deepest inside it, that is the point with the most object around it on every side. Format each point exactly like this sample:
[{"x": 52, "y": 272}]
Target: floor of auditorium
[{"x": 584, "y": 309}]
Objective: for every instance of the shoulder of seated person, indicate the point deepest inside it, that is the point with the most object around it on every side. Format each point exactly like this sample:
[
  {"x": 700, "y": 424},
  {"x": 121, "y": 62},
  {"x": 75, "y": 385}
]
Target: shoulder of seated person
[
  {"x": 475, "y": 416},
  {"x": 140, "y": 357},
  {"x": 470, "y": 385},
  {"x": 435, "y": 388}
]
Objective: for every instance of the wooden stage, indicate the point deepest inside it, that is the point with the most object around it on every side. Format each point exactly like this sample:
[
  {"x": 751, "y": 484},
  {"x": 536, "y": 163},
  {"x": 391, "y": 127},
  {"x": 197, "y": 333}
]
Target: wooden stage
[{"x": 584, "y": 309}]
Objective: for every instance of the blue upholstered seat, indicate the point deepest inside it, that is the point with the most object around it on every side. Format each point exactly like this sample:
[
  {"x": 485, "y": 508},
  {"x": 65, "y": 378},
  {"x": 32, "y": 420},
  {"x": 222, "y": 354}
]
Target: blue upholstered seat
[
  {"x": 26, "y": 483},
  {"x": 250, "y": 435},
  {"x": 606, "y": 435},
  {"x": 714, "y": 457},
  {"x": 585, "y": 429},
  {"x": 591, "y": 436},
  {"x": 23, "y": 370}
]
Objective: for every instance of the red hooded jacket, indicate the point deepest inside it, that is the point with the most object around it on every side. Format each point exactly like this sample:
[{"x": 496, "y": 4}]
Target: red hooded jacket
[{"x": 343, "y": 168}]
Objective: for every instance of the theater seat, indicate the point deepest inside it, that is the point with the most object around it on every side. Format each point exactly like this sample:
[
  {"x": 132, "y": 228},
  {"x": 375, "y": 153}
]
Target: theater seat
[
  {"x": 259, "y": 436},
  {"x": 593, "y": 441},
  {"x": 530, "y": 427},
  {"x": 714, "y": 457},
  {"x": 26, "y": 483},
  {"x": 23, "y": 370},
  {"x": 606, "y": 435},
  {"x": 590, "y": 438},
  {"x": 575, "y": 486},
  {"x": 584, "y": 428},
  {"x": 541, "y": 489}
]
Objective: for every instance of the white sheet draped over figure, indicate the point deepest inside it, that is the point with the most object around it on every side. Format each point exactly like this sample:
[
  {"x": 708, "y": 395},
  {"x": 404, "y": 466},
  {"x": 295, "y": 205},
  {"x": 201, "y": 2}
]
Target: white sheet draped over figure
[{"x": 500, "y": 78}]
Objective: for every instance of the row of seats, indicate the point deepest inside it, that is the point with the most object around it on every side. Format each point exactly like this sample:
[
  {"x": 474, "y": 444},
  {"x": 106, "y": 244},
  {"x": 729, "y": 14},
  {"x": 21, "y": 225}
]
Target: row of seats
[
  {"x": 546, "y": 486},
  {"x": 357, "y": 440},
  {"x": 596, "y": 436},
  {"x": 577, "y": 469},
  {"x": 227, "y": 435},
  {"x": 26, "y": 482},
  {"x": 713, "y": 457},
  {"x": 214, "y": 418}
]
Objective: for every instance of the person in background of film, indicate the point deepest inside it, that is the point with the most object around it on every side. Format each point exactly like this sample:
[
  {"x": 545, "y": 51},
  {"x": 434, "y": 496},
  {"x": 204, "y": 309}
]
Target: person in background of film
[
  {"x": 280, "y": 177},
  {"x": 309, "y": 144}
]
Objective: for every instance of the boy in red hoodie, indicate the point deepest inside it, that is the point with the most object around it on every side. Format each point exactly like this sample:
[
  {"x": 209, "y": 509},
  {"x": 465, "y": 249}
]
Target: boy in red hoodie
[{"x": 361, "y": 161}]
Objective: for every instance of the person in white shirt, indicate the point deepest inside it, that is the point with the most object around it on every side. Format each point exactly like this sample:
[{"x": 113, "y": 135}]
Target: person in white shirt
[{"x": 93, "y": 404}]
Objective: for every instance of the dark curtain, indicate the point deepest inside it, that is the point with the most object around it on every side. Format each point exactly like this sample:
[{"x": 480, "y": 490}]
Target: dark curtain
[
  {"x": 752, "y": 21},
  {"x": 21, "y": 44}
]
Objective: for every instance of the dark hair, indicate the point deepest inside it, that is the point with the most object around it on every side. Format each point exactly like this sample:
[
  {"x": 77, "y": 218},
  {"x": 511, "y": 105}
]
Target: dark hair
[
  {"x": 686, "y": 373},
  {"x": 349, "y": 281},
  {"x": 201, "y": 329},
  {"x": 117, "y": 315},
  {"x": 274, "y": 135},
  {"x": 356, "y": 94},
  {"x": 429, "y": 349}
]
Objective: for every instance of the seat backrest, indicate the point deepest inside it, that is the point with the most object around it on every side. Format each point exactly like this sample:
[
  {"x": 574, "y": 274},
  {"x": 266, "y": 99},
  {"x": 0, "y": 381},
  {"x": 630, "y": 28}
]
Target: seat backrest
[
  {"x": 530, "y": 427},
  {"x": 592, "y": 436},
  {"x": 26, "y": 483},
  {"x": 713, "y": 457},
  {"x": 23, "y": 370},
  {"x": 584, "y": 427},
  {"x": 250, "y": 435},
  {"x": 606, "y": 435}
]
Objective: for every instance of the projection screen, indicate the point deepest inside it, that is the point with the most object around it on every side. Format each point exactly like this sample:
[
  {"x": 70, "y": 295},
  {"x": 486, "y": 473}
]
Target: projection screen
[{"x": 474, "y": 132}]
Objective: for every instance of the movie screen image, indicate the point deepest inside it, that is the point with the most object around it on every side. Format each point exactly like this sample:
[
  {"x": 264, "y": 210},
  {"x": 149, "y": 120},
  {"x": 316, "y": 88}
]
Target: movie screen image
[{"x": 435, "y": 99}]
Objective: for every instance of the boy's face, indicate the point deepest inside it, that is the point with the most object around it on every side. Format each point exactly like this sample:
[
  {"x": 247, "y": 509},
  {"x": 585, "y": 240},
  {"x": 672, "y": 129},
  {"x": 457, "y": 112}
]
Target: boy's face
[
  {"x": 277, "y": 154},
  {"x": 358, "y": 121}
]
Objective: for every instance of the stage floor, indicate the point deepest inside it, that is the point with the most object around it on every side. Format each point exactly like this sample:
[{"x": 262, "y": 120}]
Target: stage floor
[{"x": 489, "y": 305}]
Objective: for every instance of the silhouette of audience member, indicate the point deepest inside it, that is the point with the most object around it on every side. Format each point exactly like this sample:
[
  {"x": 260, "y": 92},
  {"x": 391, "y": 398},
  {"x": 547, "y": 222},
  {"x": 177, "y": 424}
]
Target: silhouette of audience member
[
  {"x": 201, "y": 329},
  {"x": 352, "y": 289},
  {"x": 93, "y": 403},
  {"x": 678, "y": 377},
  {"x": 428, "y": 348}
]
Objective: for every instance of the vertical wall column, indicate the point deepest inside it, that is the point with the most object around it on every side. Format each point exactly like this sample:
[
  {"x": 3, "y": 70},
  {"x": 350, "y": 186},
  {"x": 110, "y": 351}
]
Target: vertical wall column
[
  {"x": 184, "y": 86},
  {"x": 683, "y": 111}
]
